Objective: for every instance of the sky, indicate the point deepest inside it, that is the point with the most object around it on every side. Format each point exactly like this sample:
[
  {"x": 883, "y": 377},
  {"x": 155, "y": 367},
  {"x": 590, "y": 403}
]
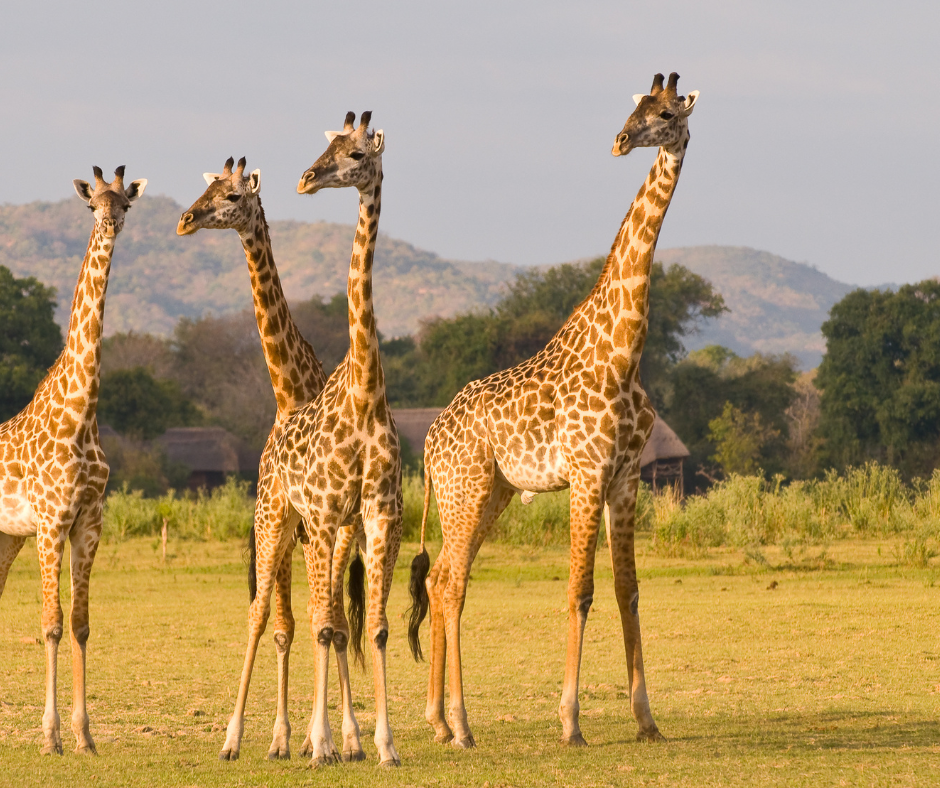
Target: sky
[{"x": 814, "y": 137}]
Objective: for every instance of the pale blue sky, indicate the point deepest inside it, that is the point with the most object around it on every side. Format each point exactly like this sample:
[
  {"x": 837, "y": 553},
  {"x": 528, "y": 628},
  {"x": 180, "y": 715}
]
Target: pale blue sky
[{"x": 814, "y": 137}]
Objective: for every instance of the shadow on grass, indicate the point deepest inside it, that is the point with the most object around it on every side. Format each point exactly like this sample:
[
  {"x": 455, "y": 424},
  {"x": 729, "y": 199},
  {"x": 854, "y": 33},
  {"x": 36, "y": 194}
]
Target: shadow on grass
[{"x": 833, "y": 730}]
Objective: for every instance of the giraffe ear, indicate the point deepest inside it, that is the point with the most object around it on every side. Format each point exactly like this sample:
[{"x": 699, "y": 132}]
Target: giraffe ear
[
  {"x": 254, "y": 182},
  {"x": 378, "y": 142},
  {"x": 83, "y": 189},
  {"x": 136, "y": 189},
  {"x": 690, "y": 102},
  {"x": 332, "y": 135},
  {"x": 638, "y": 97}
]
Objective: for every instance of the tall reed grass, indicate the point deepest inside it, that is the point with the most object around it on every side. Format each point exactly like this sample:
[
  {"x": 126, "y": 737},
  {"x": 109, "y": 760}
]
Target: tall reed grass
[{"x": 745, "y": 512}]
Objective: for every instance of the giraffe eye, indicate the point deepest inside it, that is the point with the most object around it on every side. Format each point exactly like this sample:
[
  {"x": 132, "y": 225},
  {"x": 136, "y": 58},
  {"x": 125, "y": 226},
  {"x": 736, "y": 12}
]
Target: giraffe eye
[
  {"x": 666, "y": 115},
  {"x": 233, "y": 197},
  {"x": 356, "y": 155}
]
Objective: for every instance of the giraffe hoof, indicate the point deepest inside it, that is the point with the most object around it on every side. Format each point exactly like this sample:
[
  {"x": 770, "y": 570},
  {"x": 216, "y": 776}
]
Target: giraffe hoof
[
  {"x": 390, "y": 763},
  {"x": 53, "y": 748},
  {"x": 443, "y": 738},
  {"x": 87, "y": 749},
  {"x": 306, "y": 749},
  {"x": 350, "y": 756},
  {"x": 465, "y": 744},
  {"x": 279, "y": 755},
  {"x": 575, "y": 741},
  {"x": 650, "y": 734},
  {"x": 228, "y": 755},
  {"x": 323, "y": 760}
]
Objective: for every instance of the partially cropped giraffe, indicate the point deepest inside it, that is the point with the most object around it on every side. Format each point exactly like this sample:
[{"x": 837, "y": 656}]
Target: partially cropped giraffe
[
  {"x": 340, "y": 454},
  {"x": 52, "y": 469},
  {"x": 574, "y": 415},
  {"x": 233, "y": 201}
]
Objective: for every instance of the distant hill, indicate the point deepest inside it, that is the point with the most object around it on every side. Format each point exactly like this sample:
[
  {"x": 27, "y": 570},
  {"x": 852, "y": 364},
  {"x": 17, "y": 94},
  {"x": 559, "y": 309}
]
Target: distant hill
[
  {"x": 158, "y": 277},
  {"x": 777, "y": 306}
]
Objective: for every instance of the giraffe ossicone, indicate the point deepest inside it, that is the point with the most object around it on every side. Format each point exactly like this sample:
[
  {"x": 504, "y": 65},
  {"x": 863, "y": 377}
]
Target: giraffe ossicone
[
  {"x": 574, "y": 415},
  {"x": 53, "y": 472}
]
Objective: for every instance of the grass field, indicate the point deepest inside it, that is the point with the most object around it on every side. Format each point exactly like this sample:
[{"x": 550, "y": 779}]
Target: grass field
[{"x": 830, "y": 678}]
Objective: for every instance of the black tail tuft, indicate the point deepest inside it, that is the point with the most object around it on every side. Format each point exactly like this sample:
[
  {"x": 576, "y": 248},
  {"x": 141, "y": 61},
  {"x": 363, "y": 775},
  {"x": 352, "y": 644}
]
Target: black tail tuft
[
  {"x": 420, "y": 567},
  {"x": 252, "y": 565},
  {"x": 356, "y": 589}
]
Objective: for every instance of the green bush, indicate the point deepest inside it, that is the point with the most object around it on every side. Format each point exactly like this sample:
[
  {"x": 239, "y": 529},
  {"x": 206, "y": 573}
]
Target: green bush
[{"x": 223, "y": 513}]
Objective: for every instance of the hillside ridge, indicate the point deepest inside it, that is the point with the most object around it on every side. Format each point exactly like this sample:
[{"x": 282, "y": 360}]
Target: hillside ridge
[{"x": 777, "y": 305}]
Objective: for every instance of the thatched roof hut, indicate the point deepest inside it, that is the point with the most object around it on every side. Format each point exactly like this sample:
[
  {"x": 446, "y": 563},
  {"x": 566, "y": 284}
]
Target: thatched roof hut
[
  {"x": 211, "y": 454},
  {"x": 662, "y": 458}
]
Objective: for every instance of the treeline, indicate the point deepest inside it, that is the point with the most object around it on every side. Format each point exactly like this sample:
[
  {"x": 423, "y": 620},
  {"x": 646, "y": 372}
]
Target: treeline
[{"x": 875, "y": 397}]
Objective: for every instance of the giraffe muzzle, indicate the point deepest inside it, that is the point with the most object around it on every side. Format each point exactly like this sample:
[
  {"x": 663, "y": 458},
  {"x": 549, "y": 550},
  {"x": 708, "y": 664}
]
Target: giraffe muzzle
[
  {"x": 308, "y": 183},
  {"x": 185, "y": 226},
  {"x": 622, "y": 145}
]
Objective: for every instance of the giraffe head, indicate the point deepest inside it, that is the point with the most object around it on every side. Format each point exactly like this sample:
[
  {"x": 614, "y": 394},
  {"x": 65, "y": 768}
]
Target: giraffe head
[
  {"x": 353, "y": 158},
  {"x": 659, "y": 120},
  {"x": 228, "y": 202},
  {"x": 109, "y": 201}
]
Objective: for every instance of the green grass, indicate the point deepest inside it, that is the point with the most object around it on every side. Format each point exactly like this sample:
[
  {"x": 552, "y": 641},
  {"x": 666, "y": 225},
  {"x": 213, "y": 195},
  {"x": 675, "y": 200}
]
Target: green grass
[{"x": 832, "y": 677}]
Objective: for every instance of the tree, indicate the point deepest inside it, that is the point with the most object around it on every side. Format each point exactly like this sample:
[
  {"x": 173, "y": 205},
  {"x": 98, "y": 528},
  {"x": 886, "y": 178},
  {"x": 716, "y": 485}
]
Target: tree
[
  {"x": 739, "y": 440},
  {"x": 454, "y": 351},
  {"x": 880, "y": 379},
  {"x": 30, "y": 339},
  {"x": 136, "y": 405},
  {"x": 707, "y": 382}
]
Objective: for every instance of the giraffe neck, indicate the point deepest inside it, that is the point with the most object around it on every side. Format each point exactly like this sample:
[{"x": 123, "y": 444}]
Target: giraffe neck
[
  {"x": 76, "y": 374},
  {"x": 619, "y": 302},
  {"x": 296, "y": 373},
  {"x": 365, "y": 367}
]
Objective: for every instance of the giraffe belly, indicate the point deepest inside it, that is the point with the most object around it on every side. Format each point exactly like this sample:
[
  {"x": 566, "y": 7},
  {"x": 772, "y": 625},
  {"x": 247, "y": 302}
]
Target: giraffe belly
[
  {"x": 17, "y": 517},
  {"x": 541, "y": 472}
]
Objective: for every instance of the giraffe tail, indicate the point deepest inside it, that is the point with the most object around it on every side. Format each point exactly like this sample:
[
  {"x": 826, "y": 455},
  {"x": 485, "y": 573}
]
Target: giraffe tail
[
  {"x": 420, "y": 567},
  {"x": 356, "y": 589},
  {"x": 252, "y": 565}
]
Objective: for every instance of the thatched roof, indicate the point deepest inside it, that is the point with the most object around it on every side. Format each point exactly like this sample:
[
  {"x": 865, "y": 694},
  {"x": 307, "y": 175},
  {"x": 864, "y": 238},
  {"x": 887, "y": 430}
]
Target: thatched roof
[
  {"x": 413, "y": 425},
  {"x": 663, "y": 444},
  {"x": 206, "y": 449}
]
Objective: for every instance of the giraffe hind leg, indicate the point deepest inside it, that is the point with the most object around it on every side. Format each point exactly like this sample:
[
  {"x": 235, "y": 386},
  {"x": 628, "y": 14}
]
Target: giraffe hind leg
[{"x": 283, "y": 638}]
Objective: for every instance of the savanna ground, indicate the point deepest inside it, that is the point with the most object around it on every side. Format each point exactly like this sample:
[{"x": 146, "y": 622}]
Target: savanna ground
[{"x": 830, "y": 677}]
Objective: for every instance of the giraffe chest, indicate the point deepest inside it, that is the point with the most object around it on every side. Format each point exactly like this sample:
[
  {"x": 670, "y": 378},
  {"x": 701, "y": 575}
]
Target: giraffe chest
[{"x": 17, "y": 515}]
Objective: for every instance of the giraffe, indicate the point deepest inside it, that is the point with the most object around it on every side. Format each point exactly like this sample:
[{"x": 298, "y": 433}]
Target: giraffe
[
  {"x": 574, "y": 415},
  {"x": 233, "y": 201},
  {"x": 340, "y": 453},
  {"x": 52, "y": 469}
]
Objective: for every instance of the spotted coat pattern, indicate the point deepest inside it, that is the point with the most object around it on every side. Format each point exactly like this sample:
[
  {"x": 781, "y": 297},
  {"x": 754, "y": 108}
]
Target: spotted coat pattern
[
  {"x": 233, "y": 201},
  {"x": 340, "y": 454},
  {"x": 574, "y": 415},
  {"x": 52, "y": 469}
]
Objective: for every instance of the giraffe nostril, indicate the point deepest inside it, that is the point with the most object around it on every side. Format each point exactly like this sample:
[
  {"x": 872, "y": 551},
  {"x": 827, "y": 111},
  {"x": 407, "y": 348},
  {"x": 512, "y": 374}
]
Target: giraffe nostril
[{"x": 188, "y": 217}]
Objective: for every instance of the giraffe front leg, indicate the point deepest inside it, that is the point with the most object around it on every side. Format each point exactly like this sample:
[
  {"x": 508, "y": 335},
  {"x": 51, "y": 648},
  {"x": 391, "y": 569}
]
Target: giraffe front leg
[
  {"x": 620, "y": 513},
  {"x": 585, "y": 521},
  {"x": 283, "y": 638},
  {"x": 273, "y": 538},
  {"x": 319, "y": 557},
  {"x": 84, "y": 537},
  {"x": 346, "y": 538},
  {"x": 383, "y": 536},
  {"x": 51, "y": 544}
]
